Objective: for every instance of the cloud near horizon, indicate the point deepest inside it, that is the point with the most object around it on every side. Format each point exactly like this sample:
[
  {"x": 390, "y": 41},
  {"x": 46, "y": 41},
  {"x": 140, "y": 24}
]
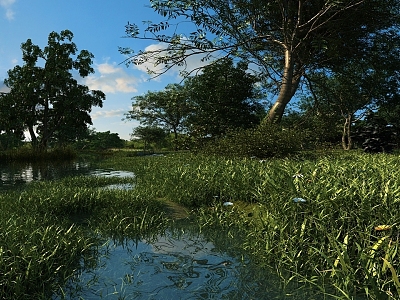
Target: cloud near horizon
[
  {"x": 6, "y": 4},
  {"x": 112, "y": 79},
  {"x": 108, "y": 113}
]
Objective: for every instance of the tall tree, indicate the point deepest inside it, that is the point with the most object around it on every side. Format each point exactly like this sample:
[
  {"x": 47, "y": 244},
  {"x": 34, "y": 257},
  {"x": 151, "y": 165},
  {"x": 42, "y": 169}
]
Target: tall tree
[
  {"x": 285, "y": 38},
  {"x": 47, "y": 100},
  {"x": 167, "y": 108},
  {"x": 11, "y": 127},
  {"x": 223, "y": 98},
  {"x": 360, "y": 85}
]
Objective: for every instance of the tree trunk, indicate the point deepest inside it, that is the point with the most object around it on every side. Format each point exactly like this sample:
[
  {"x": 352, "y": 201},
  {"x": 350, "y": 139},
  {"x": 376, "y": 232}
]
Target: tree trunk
[
  {"x": 175, "y": 139},
  {"x": 347, "y": 142},
  {"x": 33, "y": 137},
  {"x": 289, "y": 84}
]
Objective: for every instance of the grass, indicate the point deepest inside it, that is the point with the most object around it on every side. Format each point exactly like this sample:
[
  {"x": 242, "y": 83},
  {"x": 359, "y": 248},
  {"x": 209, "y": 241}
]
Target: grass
[
  {"x": 52, "y": 230},
  {"x": 27, "y": 154},
  {"x": 333, "y": 244},
  {"x": 328, "y": 242}
]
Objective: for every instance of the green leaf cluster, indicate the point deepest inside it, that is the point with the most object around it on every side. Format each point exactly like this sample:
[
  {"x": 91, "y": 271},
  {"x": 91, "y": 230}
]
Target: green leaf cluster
[
  {"x": 45, "y": 99},
  {"x": 221, "y": 99}
]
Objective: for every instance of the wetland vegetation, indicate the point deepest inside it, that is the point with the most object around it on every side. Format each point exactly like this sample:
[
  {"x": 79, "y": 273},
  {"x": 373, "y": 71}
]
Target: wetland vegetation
[
  {"x": 339, "y": 242},
  {"x": 299, "y": 224}
]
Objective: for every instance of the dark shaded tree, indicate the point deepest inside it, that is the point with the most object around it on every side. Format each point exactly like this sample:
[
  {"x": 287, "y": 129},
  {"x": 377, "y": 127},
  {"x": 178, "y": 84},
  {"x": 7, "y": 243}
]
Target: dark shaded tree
[
  {"x": 353, "y": 89},
  {"x": 375, "y": 135},
  {"x": 105, "y": 140},
  {"x": 47, "y": 100},
  {"x": 11, "y": 128},
  {"x": 222, "y": 98}
]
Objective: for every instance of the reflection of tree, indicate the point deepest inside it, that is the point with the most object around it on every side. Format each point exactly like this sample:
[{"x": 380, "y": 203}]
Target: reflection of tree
[
  {"x": 180, "y": 263},
  {"x": 19, "y": 174}
]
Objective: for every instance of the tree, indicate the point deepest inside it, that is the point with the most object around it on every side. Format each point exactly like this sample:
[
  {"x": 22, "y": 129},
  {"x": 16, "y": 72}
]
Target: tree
[
  {"x": 46, "y": 100},
  {"x": 167, "y": 108},
  {"x": 105, "y": 140},
  {"x": 286, "y": 39},
  {"x": 222, "y": 98},
  {"x": 360, "y": 85},
  {"x": 11, "y": 129},
  {"x": 150, "y": 134}
]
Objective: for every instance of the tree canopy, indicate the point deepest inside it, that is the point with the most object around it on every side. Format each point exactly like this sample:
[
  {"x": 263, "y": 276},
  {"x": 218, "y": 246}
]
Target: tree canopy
[
  {"x": 223, "y": 97},
  {"x": 167, "y": 108},
  {"x": 45, "y": 99},
  {"x": 284, "y": 39}
]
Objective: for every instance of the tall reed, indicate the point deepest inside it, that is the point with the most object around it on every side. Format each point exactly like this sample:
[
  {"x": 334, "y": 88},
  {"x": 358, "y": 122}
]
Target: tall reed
[
  {"x": 318, "y": 222},
  {"x": 52, "y": 230}
]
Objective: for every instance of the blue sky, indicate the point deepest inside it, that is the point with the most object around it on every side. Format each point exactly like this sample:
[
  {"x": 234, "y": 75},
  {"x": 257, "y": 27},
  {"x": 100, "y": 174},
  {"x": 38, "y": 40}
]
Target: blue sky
[{"x": 98, "y": 26}]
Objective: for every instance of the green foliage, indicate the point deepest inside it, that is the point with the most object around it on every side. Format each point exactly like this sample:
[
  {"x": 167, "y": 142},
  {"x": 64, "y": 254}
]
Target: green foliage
[
  {"x": 46, "y": 100},
  {"x": 149, "y": 135},
  {"x": 10, "y": 140},
  {"x": 319, "y": 130},
  {"x": 286, "y": 39},
  {"x": 100, "y": 141},
  {"x": 28, "y": 154},
  {"x": 222, "y": 98},
  {"x": 262, "y": 142},
  {"x": 167, "y": 109}
]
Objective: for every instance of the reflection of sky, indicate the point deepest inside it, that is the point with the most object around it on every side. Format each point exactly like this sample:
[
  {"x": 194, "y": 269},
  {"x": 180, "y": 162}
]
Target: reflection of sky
[
  {"x": 112, "y": 173},
  {"x": 173, "y": 267},
  {"x": 17, "y": 175}
]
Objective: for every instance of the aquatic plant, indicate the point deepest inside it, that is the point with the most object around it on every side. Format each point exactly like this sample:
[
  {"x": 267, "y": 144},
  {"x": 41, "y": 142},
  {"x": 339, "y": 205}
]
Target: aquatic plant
[
  {"x": 324, "y": 243},
  {"x": 342, "y": 243},
  {"x": 50, "y": 231}
]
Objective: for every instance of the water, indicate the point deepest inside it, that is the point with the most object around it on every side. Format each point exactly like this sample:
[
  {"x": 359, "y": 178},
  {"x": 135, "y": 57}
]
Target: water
[
  {"x": 179, "y": 264},
  {"x": 15, "y": 175}
]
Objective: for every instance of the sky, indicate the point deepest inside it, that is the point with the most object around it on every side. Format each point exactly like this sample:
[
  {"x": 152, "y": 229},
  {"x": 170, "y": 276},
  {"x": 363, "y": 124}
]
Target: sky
[{"x": 99, "y": 27}]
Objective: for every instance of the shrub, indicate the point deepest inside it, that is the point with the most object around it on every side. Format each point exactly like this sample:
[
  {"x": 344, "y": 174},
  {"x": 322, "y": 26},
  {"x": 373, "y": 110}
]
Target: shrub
[{"x": 262, "y": 142}]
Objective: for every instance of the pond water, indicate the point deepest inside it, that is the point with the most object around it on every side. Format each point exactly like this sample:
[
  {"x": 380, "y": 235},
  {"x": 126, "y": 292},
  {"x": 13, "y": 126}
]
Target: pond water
[
  {"x": 178, "y": 264},
  {"x": 17, "y": 175}
]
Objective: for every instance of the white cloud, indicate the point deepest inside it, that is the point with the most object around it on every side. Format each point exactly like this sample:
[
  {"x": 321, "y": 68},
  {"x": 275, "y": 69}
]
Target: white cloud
[
  {"x": 108, "y": 113},
  {"x": 112, "y": 79},
  {"x": 192, "y": 62},
  {"x": 6, "y": 4},
  {"x": 3, "y": 87}
]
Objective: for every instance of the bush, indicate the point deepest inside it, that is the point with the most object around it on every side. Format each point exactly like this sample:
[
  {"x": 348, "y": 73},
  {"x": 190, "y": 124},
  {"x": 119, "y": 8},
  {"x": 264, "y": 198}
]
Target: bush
[{"x": 262, "y": 142}]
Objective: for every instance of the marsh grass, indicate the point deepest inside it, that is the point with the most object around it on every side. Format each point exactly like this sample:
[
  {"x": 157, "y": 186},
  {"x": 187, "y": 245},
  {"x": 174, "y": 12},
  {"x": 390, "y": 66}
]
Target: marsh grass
[
  {"x": 50, "y": 231},
  {"x": 328, "y": 243},
  {"x": 327, "y": 247},
  {"x": 27, "y": 154}
]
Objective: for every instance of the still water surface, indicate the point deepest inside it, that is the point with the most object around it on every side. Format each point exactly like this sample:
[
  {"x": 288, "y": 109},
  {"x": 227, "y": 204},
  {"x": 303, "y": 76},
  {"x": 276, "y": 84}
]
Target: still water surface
[
  {"x": 176, "y": 265},
  {"x": 16, "y": 175}
]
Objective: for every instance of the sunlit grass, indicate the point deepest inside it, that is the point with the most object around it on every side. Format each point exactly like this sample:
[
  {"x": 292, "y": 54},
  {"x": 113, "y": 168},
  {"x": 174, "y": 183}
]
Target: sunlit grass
[
  {"x": 341, "y": 240},
  {"x": 52, "y": 230},
  {"x": 328, "y": 241}
]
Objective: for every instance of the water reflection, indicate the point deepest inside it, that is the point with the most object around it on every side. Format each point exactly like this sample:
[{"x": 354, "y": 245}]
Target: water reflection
[
  {"x": 176, "y": 265},
  {"x": 16, "y": 175}
]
